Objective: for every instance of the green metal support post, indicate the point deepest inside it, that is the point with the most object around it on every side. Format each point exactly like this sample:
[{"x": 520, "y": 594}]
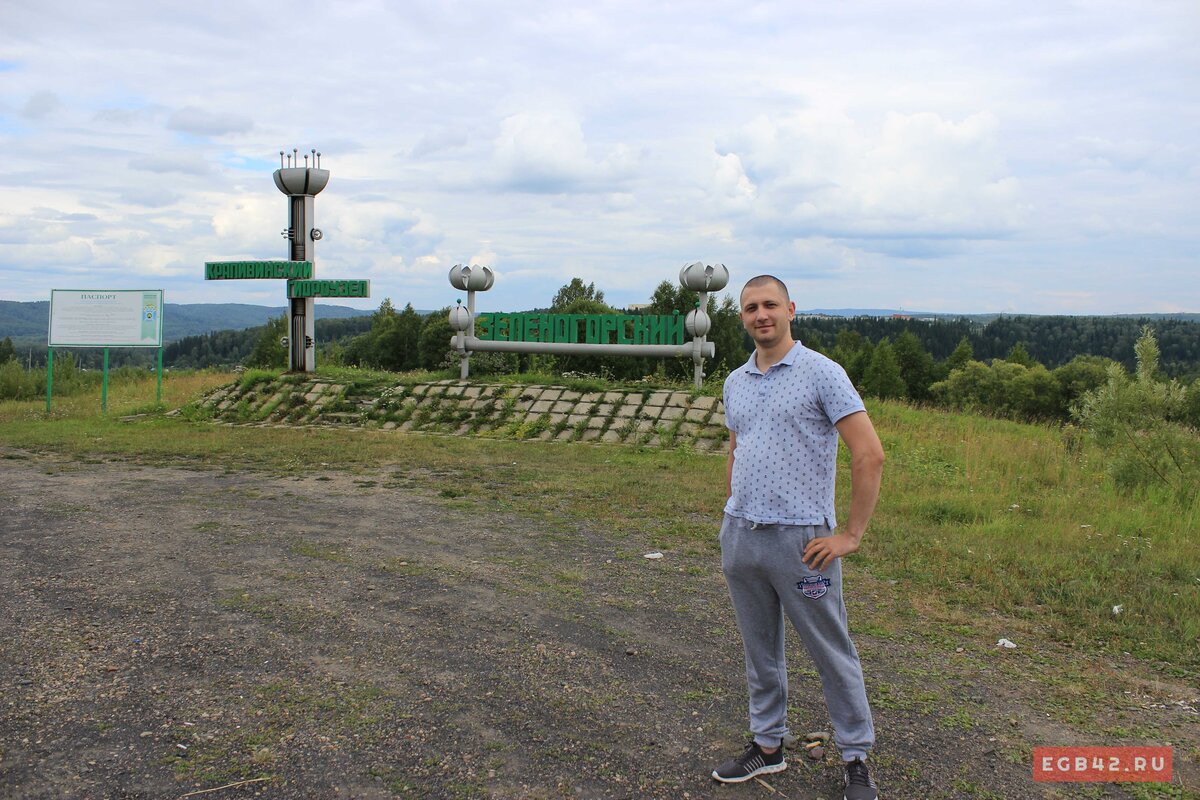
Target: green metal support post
[
  {"x": 49, "y": 377},
  {"x": 158, "y": 394},
  {"x": 104, "y": 385}
]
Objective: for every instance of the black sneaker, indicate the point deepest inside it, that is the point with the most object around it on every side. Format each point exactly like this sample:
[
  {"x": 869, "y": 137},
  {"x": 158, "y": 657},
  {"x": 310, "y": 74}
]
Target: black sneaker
[
  {"x": 750, "y": 763},
  {"x": 859, "y": 785}
]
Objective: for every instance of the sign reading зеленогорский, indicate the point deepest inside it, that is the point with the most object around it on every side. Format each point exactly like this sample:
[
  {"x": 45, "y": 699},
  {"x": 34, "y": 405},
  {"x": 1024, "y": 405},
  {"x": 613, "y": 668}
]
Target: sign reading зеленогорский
[
  {"x": 241, "y": 270},
  {"x": 585, "y": 328},
  {"x": 105, "y": 318}
]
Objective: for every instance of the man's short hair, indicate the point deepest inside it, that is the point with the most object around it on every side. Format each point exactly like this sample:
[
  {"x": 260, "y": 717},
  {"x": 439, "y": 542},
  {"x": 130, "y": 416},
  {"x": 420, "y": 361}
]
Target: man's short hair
[{"x": 764, "y": 280}]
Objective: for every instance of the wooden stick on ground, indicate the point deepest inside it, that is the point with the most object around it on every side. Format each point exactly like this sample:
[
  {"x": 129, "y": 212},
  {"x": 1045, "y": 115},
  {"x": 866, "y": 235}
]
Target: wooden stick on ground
[
  {"x": 772, "y": 789},
  {"x": 226, "y": 786}
]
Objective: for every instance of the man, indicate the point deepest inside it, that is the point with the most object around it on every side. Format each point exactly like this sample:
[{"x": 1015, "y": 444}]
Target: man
[{"x": 785, "y": 409}]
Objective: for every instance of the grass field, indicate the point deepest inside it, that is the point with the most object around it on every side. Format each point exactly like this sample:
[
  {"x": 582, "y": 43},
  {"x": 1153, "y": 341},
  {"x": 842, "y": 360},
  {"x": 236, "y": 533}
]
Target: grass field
[{"x": 981, "y": 519}]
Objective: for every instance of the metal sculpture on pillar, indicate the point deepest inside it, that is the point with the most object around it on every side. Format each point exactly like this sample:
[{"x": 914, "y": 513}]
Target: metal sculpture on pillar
[
  {"x": 301, "y": 185},
  {"x": 469, "y": 279},
  {"x": 701, "y": 278}
]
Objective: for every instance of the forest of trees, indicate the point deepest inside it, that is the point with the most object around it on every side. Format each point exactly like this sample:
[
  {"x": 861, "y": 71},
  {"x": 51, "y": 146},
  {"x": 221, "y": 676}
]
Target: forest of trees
[
  {"x": 228, "y": 348},
  {"x": 1028, "y": 368},
  {"x": 1052, "y": 340},
  {"x": 1014, "y": 385},
  {"x": 1021, "y": 367}
]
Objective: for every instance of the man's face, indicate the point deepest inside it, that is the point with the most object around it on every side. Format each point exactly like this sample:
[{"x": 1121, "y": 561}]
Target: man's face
[{"x": 767, "y": 314}]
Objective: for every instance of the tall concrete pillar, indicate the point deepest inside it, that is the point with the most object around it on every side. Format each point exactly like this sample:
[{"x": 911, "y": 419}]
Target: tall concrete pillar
[{"x": 301, "y": 184}]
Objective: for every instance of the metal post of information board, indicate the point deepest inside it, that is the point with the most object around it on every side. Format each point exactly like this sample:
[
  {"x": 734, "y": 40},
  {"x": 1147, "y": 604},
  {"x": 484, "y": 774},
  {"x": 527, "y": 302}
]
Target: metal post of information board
[
  {"x": 104, "y": 385},
  {"x": 49, "y": 376},
  {"x": 158, "y": 392}
]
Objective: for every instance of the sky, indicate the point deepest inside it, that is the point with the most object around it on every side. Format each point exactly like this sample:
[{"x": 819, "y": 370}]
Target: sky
[{"x": 1023, "y": 157}]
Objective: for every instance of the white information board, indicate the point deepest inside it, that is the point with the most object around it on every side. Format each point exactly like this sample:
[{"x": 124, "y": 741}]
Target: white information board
[{"x": 106, "y": 318}]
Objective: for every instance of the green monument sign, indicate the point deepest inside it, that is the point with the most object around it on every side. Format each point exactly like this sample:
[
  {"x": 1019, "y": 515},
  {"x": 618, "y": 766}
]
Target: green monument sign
[
  {"x": 585, "y": 328},
  {"x": 340, "y": 288},
  {"x": 241, "y": 270},
  {"x": 655, "y": 336}
]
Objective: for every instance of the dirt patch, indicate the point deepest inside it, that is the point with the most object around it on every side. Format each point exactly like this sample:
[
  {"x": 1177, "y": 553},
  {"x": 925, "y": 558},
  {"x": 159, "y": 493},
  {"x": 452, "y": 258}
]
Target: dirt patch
[{"x": 168, "y": 630}]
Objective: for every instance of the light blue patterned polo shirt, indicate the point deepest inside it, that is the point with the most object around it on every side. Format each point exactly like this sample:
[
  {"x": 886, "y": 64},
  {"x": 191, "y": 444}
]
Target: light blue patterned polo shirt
[{"x": 785, "y": 463}]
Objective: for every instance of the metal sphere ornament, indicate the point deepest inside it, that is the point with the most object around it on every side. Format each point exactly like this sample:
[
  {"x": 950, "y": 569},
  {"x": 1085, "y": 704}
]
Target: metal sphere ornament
[
  {"x": 704, "y": 278},
  {"x": 460, "y": 317},
  {"x": 697, "y": 323},
  {"x": 472, "y": 278}
]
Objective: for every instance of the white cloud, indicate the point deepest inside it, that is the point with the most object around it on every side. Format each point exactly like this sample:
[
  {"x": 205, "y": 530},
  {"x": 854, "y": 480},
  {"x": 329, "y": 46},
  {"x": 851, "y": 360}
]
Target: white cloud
[
  {"x": 545, "y": 152},
  {"x": 200, "y": 122},
  {"x": 406, "y": 234},
  {"x": 164, "y": 164},
  {"x": 41, "y": 105},
  {"x": 818, "y": 172},
  {"x": 731, "y": 188},
  {"x": 244, "y": 223},
  {"x": 150, "y": 197}
]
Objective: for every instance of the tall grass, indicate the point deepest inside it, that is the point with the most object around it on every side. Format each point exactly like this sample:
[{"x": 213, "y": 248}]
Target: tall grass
[
  {"x": 1001, "y": 518},
  {"x": 130, "y": 390}
]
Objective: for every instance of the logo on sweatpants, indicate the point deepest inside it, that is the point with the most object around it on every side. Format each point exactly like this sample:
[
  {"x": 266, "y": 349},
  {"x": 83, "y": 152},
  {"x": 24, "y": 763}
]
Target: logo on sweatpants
[{"x": 814, "y": 586}]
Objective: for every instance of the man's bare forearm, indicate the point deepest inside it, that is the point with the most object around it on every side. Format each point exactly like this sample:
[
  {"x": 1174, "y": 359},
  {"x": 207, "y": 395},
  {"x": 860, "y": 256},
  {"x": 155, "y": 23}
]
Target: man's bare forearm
[
  {"x": 866, "y": 475},
  {"x": 866, "y": 471}
]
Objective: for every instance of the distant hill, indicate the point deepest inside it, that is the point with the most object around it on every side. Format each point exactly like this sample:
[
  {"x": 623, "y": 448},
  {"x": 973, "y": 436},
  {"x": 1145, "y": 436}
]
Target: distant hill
[
  {"x": 870, "y": 312},
  {"x": 31, "y": 320},
  {"x": 983, "y": 318}
]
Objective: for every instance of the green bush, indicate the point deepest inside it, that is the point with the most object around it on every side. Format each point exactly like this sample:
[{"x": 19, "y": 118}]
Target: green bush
[
  {"x": 1003, "y": 389},
  {"x": 1135, "y": 419},
  {"x": 18, "y": 384},
  {"x": 269, "y": 350}
]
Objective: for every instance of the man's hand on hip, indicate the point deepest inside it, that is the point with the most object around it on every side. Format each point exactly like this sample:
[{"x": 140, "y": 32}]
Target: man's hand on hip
[{"x": 822, "y": 550}]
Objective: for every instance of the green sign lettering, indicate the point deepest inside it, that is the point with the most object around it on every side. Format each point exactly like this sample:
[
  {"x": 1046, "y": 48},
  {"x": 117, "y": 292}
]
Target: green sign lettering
[
  {"x": 240, "y": 270},
  {"x": 339, "y": 288},
  {"x": 576, "y": 328}
]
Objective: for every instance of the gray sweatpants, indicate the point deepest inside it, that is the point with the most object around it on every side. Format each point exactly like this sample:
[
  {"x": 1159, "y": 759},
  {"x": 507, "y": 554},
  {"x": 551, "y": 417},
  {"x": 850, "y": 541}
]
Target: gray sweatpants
[{"x": 767, "y": 578}]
